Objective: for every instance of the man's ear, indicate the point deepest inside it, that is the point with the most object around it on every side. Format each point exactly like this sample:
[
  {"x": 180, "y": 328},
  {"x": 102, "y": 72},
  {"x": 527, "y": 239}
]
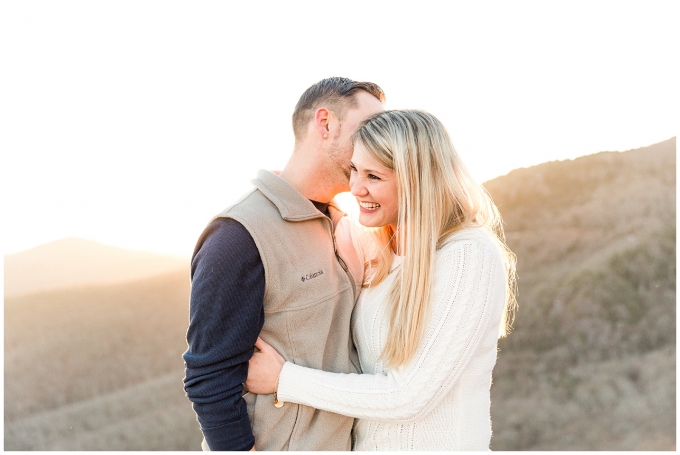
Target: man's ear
[{"x": 322, "y": 118}]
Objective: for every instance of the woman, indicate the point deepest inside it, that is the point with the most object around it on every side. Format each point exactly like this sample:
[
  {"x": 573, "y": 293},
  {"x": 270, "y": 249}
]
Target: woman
[{"x": 438, "y": 293}]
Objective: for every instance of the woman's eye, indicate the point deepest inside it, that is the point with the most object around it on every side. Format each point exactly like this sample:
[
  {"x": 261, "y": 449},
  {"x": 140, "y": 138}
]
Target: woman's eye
[{"x": 373, "y": 177}]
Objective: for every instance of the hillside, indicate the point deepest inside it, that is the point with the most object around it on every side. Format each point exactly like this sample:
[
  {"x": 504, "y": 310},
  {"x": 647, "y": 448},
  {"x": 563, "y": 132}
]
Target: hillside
[
  {"x": 99, "y": 368},
  {"x": 74, "y": 262},
  {"x": 591, "y": 362}
]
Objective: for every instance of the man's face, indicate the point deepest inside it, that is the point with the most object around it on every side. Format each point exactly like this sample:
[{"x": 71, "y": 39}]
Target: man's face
[{"x": 340, "y": 150}]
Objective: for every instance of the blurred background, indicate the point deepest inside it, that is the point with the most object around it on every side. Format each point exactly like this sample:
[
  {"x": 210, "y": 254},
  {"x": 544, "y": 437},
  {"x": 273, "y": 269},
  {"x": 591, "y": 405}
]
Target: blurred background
[{"x": 127, "y": 125}]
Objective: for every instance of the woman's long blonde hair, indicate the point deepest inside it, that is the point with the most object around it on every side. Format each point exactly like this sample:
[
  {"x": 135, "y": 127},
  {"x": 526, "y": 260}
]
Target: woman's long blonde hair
[{"x": 436, "y": 197}]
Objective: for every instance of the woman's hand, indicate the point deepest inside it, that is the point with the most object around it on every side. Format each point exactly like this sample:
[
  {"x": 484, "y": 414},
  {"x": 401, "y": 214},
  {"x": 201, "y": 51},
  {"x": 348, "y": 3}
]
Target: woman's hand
[{"x": 264, "y": 368}]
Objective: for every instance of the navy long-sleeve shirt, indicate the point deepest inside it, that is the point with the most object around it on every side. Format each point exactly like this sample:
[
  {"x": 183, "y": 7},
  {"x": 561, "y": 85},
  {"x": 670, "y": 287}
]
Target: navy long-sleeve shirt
[{"x": 226, "y": 316}]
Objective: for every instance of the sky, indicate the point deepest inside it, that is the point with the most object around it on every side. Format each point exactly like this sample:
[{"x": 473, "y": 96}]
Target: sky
[{"x": 133, "y": 123}]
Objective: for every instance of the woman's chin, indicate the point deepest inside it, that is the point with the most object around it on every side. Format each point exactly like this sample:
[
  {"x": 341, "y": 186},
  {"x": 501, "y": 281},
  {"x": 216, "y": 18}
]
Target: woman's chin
[{"x": 369, "y": 221}]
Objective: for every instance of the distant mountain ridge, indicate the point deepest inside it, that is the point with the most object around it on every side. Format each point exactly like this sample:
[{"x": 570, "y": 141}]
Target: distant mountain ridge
[{"x": 74, "y": 262}]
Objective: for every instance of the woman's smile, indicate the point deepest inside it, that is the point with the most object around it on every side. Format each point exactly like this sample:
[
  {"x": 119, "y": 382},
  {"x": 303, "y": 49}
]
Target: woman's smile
[{"x": 368, "y": 207}]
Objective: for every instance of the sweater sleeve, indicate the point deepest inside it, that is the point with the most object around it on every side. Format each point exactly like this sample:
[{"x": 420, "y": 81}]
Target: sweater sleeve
[
  {"x": 225, "y": 317},
  {"x": 468, "y": 280}
]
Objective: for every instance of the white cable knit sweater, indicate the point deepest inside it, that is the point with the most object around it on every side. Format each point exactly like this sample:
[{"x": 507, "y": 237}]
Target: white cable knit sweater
[{"x": 440, "y": 399}]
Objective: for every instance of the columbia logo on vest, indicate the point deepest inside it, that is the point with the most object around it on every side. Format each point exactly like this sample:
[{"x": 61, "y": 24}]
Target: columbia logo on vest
[{"x": 310, "y": 276}]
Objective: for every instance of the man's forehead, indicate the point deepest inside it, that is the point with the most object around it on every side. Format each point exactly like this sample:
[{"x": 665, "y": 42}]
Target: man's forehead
[
  {"x": 364, "y": 98},
  {"x": 367, "y": 105}
]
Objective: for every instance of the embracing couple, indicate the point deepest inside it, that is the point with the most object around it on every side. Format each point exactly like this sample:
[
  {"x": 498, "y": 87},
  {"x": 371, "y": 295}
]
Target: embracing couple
[{"x": 309, "y": 331}]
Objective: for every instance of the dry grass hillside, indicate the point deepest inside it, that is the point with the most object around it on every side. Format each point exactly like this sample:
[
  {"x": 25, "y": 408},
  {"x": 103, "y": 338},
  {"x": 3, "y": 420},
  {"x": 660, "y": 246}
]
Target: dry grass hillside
[
  {"x": 589, "y": 366},
  {"x": 99, "y": 368},
  {"x": 591, "y": 362},
  {"x": 73, "y": 262}
]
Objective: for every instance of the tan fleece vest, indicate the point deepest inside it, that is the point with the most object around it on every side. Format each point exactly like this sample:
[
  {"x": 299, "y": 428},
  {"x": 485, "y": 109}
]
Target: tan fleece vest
[{"x": 308, "y": 302}]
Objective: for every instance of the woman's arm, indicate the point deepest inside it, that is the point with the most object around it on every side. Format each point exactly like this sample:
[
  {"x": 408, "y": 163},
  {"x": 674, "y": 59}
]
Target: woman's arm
[{"x": 469, "y": 299}]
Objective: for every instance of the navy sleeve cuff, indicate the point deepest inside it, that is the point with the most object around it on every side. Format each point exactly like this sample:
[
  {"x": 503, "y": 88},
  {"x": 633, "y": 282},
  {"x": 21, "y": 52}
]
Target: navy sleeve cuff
[{"x": 236, "y": 435}]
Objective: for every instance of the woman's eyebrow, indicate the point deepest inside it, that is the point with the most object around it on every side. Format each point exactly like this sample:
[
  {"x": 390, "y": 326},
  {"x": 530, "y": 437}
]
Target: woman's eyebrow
[{"x": 368, "y": 171}]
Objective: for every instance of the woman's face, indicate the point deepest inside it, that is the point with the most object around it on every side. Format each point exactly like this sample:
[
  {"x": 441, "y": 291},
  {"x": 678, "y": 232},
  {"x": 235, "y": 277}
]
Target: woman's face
[{"x": 375, "y": 188}]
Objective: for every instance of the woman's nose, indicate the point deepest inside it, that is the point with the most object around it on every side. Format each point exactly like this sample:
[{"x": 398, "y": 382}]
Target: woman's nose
[{"x": 357, "y": 188}]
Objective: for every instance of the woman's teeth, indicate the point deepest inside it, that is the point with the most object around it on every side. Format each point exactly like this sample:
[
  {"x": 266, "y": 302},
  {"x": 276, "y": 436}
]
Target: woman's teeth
[{"x": 369, "y": 205}]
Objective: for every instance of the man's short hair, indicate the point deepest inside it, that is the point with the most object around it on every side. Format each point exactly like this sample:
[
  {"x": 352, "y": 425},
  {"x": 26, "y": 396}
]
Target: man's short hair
[{"x": 334, "y": 93}]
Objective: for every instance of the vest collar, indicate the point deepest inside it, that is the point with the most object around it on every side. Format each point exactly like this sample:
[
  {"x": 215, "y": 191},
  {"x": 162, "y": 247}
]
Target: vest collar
[{"x": 292, "y": 205}]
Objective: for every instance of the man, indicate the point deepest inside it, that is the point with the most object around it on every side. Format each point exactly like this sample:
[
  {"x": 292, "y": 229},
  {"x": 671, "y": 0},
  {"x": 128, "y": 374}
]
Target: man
[{"x": 269, "y": 264}]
